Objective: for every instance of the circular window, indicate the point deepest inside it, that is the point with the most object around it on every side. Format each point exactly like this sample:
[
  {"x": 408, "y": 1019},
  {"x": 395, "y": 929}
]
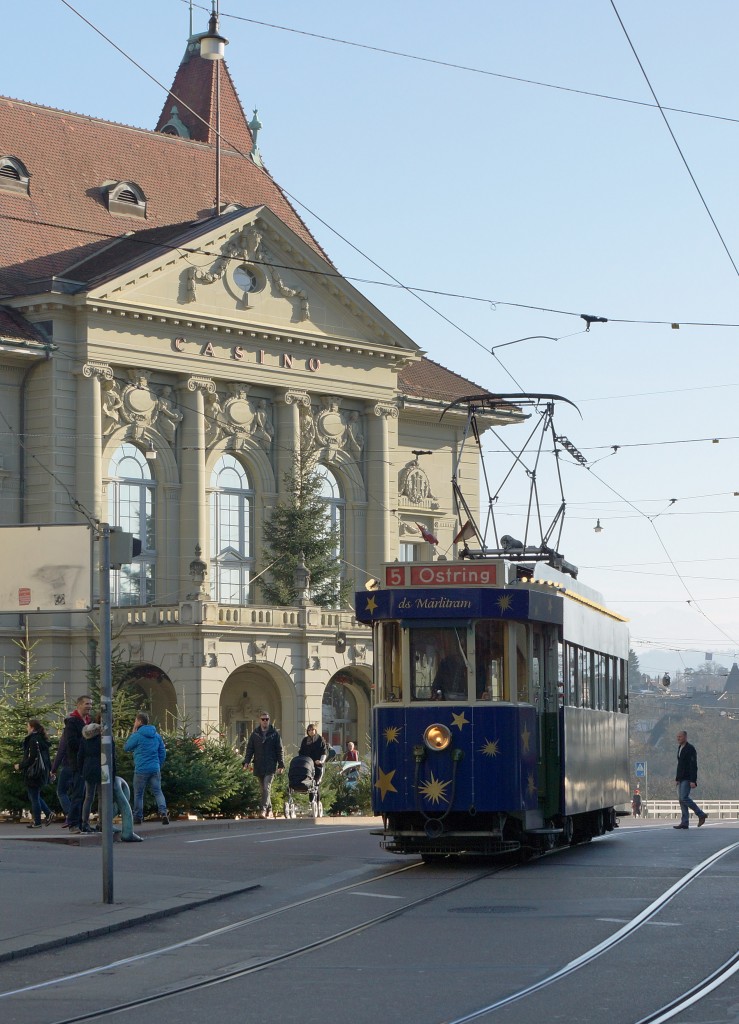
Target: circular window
[{"x": 245, "y": 279}]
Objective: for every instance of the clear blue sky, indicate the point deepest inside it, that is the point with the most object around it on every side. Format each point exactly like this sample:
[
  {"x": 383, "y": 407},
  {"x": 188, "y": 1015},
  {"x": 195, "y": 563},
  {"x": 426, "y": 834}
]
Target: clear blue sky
[{"x": 458, "y": 181}]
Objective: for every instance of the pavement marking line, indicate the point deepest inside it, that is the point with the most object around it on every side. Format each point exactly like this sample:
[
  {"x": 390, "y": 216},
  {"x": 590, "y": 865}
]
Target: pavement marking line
[
  {"x": 378, "y": 895},
  {"x": 237, "y": 835},
  {"x": 319, "y": 832},
  {"x": 657, "y": 924},
  {"x": 602, "y": 947},
  {"x": 195, "y": 939}
]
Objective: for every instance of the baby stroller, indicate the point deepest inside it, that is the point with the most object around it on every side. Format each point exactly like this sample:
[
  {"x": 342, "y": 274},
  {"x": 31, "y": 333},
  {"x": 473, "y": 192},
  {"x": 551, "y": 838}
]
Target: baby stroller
[{"x": 303, "y": 776}]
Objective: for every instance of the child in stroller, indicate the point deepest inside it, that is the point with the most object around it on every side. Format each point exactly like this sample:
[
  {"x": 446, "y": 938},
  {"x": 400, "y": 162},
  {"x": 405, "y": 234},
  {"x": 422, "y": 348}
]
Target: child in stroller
[{"x": 305, "y": 771}]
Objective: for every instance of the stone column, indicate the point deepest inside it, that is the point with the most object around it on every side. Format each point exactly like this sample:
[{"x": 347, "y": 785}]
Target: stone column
[
  {"x": 287, "y": 441},
  {"x": 382, "y": 526},
  {"x": 193, "y": 502},
  {"x": 89, "y": 465}
]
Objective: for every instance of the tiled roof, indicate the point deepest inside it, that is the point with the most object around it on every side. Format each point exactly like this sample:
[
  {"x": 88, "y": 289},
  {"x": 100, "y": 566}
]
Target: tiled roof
[
  {"x": 14, "y": 328},
  {"x": 427, "y": 379},
  {"x": 70, "y": 157}
]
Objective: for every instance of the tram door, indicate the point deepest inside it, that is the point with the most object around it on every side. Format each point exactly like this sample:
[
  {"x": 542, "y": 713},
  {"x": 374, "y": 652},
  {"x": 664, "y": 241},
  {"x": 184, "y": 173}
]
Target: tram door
[{"x": 544, "y": 697}]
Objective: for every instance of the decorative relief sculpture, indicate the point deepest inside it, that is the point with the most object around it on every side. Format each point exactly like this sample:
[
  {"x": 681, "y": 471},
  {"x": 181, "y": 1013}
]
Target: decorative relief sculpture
[
  {"x": 354, "y": 439},
  {"x": 112, "y": 404},
  {"x": 167, "y": 416},
  {"x": 139, "y": 406},
  {"x": 259, "y": 649},
  {"x": 414, "y": 486},
  {"x": 247, "y": 420},
  {"x": 213, "y": 419},
  {"x": 248, "y": 247}
]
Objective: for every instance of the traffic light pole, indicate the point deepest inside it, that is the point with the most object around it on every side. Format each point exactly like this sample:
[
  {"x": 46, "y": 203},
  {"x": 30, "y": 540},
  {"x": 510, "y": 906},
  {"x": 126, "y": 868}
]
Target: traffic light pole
[{"x": 106, "y": 709}]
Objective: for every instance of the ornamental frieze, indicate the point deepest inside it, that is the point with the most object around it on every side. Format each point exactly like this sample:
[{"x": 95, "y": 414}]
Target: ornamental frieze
[{"x": 140, "y": 407}]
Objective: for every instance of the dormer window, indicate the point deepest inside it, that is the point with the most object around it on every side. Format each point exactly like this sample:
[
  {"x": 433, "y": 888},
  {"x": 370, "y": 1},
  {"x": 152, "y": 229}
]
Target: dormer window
[
  {"x": 13, "y": 175},
  {"x": 175, "y": 125},
  {"x": 125, "y": 198}
]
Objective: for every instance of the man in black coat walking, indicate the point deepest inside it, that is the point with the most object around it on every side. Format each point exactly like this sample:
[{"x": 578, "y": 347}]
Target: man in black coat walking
[
  {"x": 265, "y": 749},
  {"x": 686, "y": 778}
]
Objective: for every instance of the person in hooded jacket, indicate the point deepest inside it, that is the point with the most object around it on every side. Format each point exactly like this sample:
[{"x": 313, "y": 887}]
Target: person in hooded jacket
[
  {"x": 35, "y": 747},
  {"x": 149, "y": 754}
]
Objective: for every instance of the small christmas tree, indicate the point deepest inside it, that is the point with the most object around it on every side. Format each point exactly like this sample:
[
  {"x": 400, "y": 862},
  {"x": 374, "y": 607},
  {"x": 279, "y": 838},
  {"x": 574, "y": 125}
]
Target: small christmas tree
[{"x": 301, "y": 526}]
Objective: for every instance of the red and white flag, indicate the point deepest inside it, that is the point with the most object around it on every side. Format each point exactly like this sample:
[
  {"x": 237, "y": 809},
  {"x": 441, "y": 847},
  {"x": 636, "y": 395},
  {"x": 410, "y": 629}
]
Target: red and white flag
[{"x": 427, "y": 535}]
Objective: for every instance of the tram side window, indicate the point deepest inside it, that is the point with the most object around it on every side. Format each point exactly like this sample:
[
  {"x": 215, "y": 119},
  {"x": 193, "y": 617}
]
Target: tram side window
[
  {"x": 438, "y": 664},
  {"x": 586, "y": 689},
  {"x": 392, "y": 678},
  {"x": 489, "y": 664},
  {"x": 573, "y": 665},
  {"x": 522, "y": 662},
  {"x": 601, "y": 697},
  {"x": 623, "y": 686}
]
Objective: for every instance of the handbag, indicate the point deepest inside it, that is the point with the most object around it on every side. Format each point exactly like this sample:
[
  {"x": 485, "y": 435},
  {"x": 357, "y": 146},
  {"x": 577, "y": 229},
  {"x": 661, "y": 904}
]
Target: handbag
[{"x": 37, "y": 772}]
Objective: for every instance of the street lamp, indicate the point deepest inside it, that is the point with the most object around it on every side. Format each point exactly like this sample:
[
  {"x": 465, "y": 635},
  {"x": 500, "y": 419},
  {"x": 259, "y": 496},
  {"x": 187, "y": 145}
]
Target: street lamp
[{"x": 213, "y": 47}]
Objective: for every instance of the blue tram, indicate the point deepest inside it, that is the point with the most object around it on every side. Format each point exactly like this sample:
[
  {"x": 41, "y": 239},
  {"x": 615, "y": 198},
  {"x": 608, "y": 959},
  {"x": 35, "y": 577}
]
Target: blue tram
[{"x": 500, "y": 708}]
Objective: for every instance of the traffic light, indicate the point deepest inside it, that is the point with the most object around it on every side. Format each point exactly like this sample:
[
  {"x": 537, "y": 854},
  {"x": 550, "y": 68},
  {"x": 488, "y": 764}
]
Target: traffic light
[
  {"x": 124, "y": 547},
  {"x": 340, "y": 642}
]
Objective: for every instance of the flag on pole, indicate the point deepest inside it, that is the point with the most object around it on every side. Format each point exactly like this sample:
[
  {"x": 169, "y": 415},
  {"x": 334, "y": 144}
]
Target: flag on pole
[
  {"x": 466, "y": 533},
  {"x": 427, "y": 535}
]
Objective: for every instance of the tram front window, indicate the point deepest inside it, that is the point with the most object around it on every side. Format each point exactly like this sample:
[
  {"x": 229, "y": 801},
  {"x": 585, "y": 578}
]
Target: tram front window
[{"x": 438, "y": 664}]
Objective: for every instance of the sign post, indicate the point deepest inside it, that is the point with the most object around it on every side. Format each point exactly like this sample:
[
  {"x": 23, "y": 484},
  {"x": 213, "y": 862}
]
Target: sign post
[{"x": 640, "y": 771}]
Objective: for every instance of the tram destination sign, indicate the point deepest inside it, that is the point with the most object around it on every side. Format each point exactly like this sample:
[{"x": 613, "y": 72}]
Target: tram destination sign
[{"x": 445, "y": 574}]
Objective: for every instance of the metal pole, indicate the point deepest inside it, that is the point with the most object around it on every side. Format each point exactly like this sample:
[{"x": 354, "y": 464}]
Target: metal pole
[{"x": 106, "y": 708}]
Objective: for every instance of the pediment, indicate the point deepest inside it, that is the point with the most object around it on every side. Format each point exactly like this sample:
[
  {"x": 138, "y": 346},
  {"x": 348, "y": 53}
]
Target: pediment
[{"x": 252, "y": 272}]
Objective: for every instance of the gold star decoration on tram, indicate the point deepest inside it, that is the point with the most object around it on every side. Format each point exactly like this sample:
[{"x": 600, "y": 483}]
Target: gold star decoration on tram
[
  {"x": 434, "y": 790},
  {"x": 391, "y": 733},
  {"x": 504, "y": 603},
  {"x": 459, "y": 720},
  {"x": 525, "y": 738},
  {"x": 371, "y": 604},
  {"x": 385, "y": 782},
  {"x": 490, "y": 748}
]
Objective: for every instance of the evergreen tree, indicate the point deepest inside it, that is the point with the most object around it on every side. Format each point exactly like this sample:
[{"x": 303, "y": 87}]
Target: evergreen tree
[
  {"x": 302, "y": 526},
  {"x": 635, "y": 676},
  {"x": 20, "y": 699}
]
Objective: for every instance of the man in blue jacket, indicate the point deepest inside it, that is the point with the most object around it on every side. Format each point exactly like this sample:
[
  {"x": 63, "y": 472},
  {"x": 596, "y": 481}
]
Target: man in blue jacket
[{"x": 149, "y": 753}]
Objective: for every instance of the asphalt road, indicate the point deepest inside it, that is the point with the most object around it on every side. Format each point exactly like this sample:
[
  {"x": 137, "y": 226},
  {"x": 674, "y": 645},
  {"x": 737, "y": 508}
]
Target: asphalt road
[{"x": 336, "y": 930}]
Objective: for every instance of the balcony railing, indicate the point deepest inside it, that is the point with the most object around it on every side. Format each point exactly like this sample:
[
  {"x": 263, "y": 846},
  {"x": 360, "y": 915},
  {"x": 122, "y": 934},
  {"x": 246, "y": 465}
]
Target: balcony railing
[{"x": 225, "y": 616}]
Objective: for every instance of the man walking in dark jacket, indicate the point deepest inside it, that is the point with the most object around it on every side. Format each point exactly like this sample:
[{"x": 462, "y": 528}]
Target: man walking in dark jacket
[
  {"x": 265, "y": 749},
  {"x": 686, "y": 778}
]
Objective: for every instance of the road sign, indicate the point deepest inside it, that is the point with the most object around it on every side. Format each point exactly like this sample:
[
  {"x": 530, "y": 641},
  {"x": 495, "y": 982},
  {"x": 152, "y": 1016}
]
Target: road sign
[
  {"x": 640, "y": 769},
  {"x": 46, "y": 569}
]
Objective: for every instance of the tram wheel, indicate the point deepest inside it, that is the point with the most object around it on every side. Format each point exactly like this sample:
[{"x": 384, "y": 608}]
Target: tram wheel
[{"x": 568, "y": 831}]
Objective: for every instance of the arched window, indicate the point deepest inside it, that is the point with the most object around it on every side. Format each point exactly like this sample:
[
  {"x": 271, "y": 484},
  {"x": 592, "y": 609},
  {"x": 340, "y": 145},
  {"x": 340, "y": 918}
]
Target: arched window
[
  {"x": 336, "y": 507},
  {"x": 131, "y": 506},
  {"x": 331, "y": 494},
  {"x": 231, "y": 504},
  {"x": 339, "y": 715}
]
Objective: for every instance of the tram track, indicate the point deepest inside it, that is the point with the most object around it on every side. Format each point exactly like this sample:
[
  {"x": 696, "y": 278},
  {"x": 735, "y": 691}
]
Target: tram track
[
  {"x": 236, "y": 972},
  {"x": 723, "y": 973}
]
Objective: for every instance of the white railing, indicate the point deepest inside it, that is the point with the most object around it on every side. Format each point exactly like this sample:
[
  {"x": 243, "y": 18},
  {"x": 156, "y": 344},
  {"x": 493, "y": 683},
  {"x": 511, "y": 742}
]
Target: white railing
[{"x": 717, "y": 810}]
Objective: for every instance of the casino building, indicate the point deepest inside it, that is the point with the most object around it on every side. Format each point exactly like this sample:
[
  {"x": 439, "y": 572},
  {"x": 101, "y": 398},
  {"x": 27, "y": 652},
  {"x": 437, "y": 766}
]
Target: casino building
[{"x": 161, "y": 361}]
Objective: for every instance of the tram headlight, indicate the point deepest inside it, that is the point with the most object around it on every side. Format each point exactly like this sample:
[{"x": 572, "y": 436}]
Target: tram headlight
[{"x": 437, "y": 737}]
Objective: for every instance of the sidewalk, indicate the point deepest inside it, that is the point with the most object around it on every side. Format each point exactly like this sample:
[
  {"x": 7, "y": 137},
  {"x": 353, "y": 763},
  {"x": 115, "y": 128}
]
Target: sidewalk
[{"x": 51, "y": 883}]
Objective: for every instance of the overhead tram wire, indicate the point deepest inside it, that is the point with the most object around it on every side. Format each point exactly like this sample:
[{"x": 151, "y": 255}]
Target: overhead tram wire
[
  {"x": 374, "y": 263},
  {"x": 674, "y": 139},
  {"x": 452, "y": 66},
  {"x": 292, "y": 197}
]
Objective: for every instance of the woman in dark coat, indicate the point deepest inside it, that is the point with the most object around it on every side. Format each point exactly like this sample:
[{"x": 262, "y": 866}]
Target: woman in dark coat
[
  {"x": 35, "y": 748},
  {"x": 314, "y": 747}
]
